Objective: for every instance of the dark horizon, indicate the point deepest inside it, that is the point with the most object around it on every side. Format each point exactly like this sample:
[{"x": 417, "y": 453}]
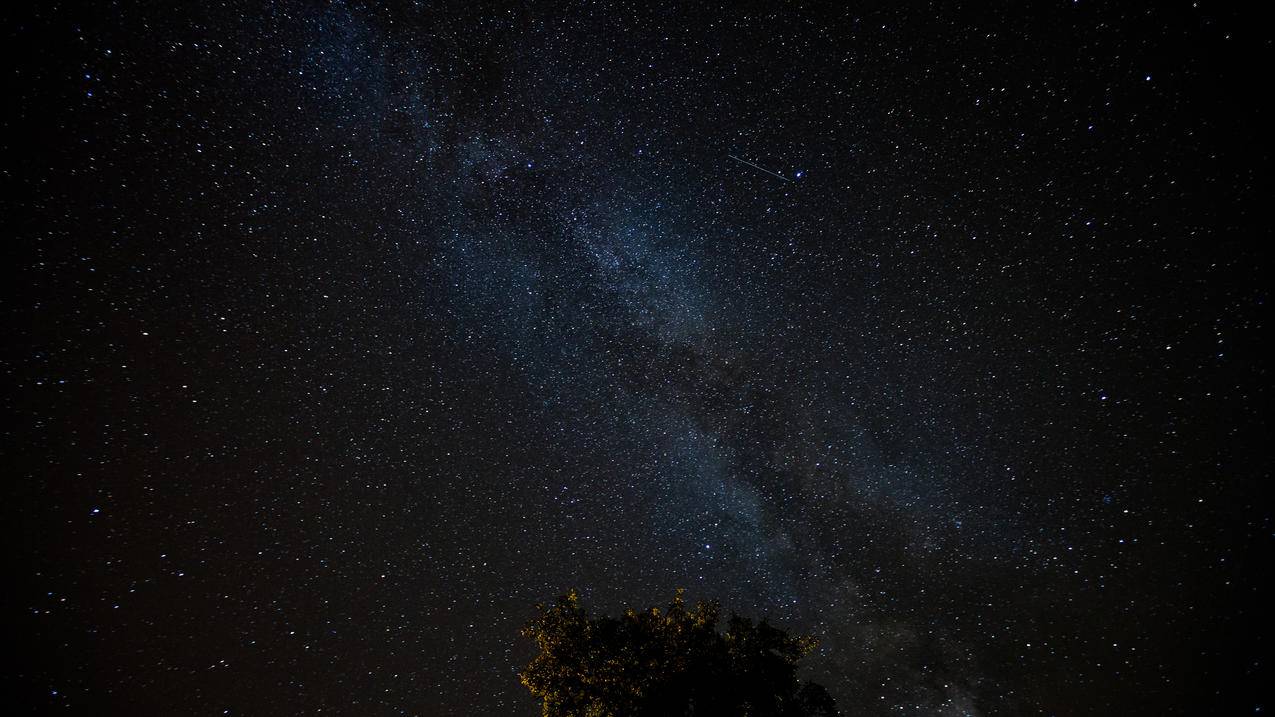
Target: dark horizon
[{"x": 341, "y": 335}]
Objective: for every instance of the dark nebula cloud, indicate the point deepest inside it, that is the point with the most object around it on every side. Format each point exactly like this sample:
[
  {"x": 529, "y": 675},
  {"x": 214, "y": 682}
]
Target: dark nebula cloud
[{"x": 341, "y": 335}]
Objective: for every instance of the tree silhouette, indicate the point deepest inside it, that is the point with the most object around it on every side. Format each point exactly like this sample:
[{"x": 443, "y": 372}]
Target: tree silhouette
[{"x": 671, "y": 663}]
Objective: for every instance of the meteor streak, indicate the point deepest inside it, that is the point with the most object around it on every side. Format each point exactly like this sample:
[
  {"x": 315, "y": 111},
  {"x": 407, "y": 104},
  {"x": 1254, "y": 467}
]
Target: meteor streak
[{"x": 767, "y": 171}]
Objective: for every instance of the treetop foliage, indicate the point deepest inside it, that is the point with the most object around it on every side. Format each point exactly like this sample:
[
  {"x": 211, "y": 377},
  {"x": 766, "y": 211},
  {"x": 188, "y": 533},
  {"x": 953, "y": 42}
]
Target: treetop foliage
[{"x": 673, "y": 662}]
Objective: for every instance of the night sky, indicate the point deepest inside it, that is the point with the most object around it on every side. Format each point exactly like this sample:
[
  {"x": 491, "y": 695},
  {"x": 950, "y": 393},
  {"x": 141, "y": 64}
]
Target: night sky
[{"x": 341, "y": 335}]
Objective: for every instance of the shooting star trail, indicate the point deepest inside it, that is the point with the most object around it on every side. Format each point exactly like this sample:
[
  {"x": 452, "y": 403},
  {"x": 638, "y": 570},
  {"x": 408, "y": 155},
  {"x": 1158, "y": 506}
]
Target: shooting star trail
[{"x": 767, "y": 171}]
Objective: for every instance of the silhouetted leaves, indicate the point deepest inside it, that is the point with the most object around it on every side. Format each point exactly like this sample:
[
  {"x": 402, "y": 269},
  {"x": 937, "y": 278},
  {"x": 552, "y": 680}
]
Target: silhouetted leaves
[{"x": 672, "y": 662}]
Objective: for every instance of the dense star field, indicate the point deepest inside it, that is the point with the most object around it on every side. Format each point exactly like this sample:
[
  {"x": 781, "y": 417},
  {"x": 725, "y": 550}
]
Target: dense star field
[{"x": 341, "y": 335}]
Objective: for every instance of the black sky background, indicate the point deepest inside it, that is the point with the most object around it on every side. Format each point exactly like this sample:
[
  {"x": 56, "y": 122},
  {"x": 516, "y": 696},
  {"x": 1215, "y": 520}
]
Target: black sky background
[{"x": 342, "y": 334}]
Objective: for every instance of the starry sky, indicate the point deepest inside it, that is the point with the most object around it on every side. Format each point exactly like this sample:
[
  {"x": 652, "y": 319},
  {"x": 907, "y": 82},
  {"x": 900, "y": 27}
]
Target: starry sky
[{"x": 340, "y": 335}]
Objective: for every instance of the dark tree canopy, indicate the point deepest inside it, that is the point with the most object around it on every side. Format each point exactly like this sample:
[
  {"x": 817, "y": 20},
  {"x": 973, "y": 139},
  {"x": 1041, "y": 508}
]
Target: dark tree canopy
[{"x": 672, "y": 662}]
